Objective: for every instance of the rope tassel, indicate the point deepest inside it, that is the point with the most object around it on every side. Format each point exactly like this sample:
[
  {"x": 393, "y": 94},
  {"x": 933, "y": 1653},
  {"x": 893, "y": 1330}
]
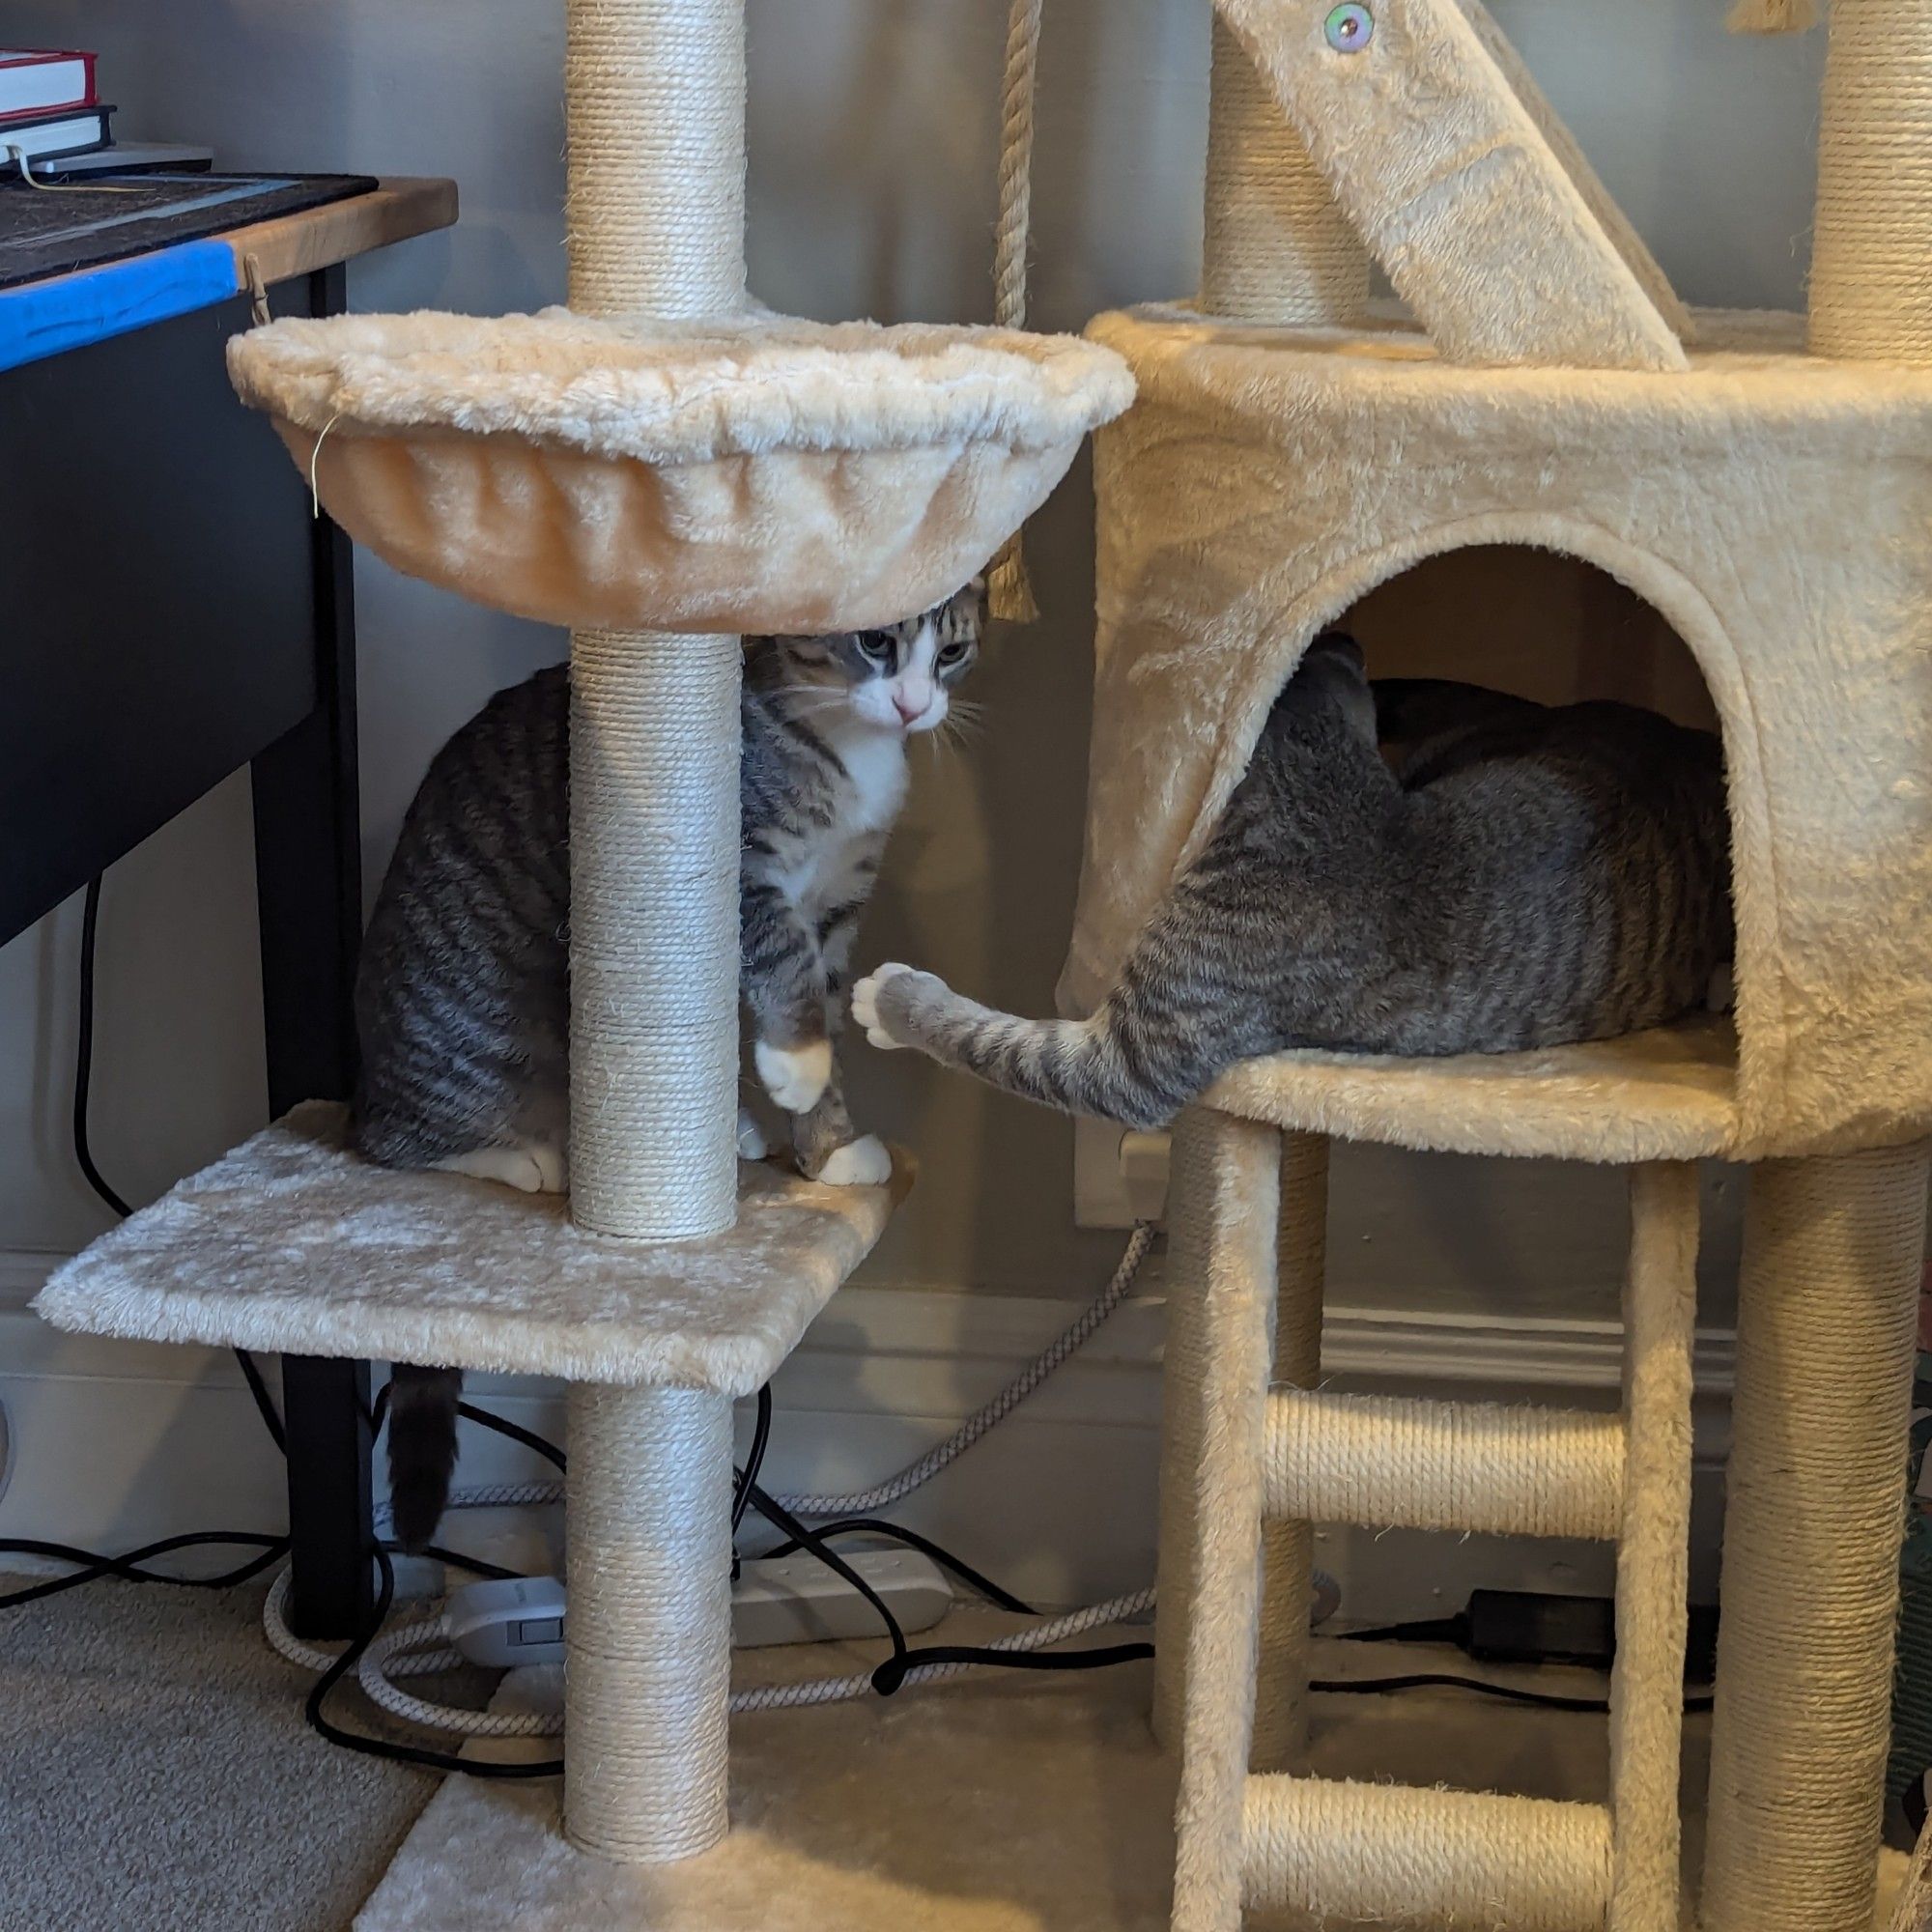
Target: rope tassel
[{"x": 1010, "y": 589}]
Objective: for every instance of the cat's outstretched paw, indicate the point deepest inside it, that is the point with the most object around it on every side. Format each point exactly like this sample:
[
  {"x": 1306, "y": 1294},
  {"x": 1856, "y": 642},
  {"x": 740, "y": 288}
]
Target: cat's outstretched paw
[
  {"x": 796, "y": 1077},
  {"x": 752, "y": 1142},
  {"x": 867, "y": 1004},
  {"x": 860, "y": 1163}
]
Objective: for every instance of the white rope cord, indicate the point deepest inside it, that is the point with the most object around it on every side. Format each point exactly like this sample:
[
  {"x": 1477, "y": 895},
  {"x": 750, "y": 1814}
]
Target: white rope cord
[
  {"x": 392, "y": 1655},
  {"x": 1010, "y": 587},
  {"x": 1871, "y": 298},
  {"x": 862, "y": 1502}
]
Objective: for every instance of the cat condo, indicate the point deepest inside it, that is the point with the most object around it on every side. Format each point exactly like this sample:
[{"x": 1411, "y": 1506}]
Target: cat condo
[{"x": 665, "y": 483}]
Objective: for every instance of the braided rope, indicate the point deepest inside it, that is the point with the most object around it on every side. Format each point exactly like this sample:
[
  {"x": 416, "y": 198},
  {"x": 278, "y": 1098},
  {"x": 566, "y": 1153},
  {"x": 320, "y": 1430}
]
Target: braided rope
[
  {"x": 1871, "y": 296},
  {"x": 1009, "y": 586},
  {"x": 866, "y": 1502}
]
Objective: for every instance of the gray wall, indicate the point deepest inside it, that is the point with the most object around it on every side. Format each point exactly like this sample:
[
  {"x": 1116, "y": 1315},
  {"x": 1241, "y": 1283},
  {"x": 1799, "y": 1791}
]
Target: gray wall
[{"x": 873, "y": 130}]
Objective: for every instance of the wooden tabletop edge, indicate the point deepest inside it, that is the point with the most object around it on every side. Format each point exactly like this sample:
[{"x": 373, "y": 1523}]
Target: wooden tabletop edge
[{"x": 395, "y": 209}]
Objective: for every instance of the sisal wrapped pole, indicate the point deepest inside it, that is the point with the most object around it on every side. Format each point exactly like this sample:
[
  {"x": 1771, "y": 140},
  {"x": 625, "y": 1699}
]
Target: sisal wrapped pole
[
  {"x": 656, "y": 104},
  {"x": 1274, "y": 246},
  {"x": 1871, "y": 294},
  {"x": 655, "y": 94},
  {"x": 1287, "y": 1546},
  {"x": 1827, "y": 1313}
]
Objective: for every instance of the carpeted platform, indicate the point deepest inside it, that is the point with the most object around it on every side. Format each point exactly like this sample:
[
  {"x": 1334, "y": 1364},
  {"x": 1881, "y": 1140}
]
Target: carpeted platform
[{"x": 155, "y": 1774}]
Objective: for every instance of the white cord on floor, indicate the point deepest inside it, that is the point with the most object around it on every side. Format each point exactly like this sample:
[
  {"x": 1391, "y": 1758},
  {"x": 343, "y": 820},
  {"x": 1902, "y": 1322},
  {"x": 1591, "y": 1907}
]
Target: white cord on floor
[{"x": 398, "y": 1652}]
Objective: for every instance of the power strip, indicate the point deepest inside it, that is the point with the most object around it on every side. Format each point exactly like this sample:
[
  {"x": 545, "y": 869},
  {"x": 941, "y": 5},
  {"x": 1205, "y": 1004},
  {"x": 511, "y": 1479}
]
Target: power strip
[{"x": 780, "y": 1600}]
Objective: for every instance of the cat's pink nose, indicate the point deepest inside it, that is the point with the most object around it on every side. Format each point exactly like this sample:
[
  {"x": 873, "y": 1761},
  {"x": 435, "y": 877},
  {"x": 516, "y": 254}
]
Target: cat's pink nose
[{"x": 908, "y": 708}]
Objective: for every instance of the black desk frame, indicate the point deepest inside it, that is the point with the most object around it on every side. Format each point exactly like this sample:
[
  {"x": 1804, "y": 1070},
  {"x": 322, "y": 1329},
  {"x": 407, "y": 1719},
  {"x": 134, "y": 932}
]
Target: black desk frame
[{"x": 176, "y": 612}]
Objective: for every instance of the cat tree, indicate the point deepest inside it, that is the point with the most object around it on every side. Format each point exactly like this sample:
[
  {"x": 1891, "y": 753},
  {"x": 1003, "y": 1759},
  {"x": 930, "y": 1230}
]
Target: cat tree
[
  {"x": 662, "y": 484},
  {"x": 662, "y": 469},
  {"x": 1762, "y": 481}
]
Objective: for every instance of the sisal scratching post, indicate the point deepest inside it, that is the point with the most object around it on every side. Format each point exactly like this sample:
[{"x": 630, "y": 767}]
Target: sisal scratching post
[
  {"x": 1653, "y": 1548},
  {"x": 1274, "y": 246},
  {"x": 649, "y": 1677},
  {"x": 1224, "y": 1196},
  {"x": 1287, "y": 1546},
  {"x": 1871, "y": 298},
  {"x": 656, "y": 212},
  {"x": 1826, "y": 1321}
]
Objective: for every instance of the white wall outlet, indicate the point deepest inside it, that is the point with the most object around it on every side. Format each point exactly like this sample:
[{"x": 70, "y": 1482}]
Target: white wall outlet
[{"x": 1119, "y": 1176}]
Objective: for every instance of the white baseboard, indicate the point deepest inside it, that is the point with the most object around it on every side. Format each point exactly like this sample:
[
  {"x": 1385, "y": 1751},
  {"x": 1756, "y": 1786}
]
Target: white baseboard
[{"x": 116, "y": 1444}]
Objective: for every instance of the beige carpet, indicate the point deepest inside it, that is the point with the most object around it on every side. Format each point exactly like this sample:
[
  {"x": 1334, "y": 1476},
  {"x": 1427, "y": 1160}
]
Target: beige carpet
[
  {"x": 992, "y": 1804},
  {"x": 155, "y": 1774}
]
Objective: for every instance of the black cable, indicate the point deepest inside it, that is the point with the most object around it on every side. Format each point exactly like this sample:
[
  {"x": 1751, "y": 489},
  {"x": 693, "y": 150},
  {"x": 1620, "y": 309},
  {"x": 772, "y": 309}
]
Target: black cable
[
  {"x": 867, "y": 1525},
  {"x": 783, "y": 1518},
  {"x": 754, "y": 1463},
  {"x": 381, "y": 1748},
  {"x": 1548, "y": 1700},
  {"x": 83, "y": 1150},
  {"x": 1427, "y": 1629},
  {"x": 516, "y": 1431},
  {"x": 83, "y": 1053},
  {"x": 128, "y": 1567}
]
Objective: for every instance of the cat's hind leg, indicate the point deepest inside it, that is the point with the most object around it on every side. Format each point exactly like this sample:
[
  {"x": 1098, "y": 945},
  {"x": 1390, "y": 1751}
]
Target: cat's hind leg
[{"x": 830, "y": 1149}]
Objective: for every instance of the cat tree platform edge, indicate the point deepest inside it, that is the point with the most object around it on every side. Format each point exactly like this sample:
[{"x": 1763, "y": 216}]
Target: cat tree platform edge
[
  {"x": 292, "y": 1243},
  {"x": 1670, "y": 1093}
]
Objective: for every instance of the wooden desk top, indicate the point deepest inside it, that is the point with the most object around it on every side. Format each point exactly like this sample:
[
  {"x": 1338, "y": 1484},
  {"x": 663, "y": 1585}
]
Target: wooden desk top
[
  {"x": 44, "y": 317},
  {"x": 319, "y": 238}
]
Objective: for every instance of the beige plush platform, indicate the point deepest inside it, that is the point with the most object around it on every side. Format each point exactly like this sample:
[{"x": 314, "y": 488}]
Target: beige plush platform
[
  {"x": 990, "y": 1804},
  {"x": 1770, "y": 504},
  {"x": 1667, "y": 1095},
  {"x": 752, "y": 474},
  {"x": 292, "y": 1243}
]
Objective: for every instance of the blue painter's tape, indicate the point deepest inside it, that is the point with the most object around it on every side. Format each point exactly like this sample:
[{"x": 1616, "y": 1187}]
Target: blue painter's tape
[{"x": 44, "y": 317}]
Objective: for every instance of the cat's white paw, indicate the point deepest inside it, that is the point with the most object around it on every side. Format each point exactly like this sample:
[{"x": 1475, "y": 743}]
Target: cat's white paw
[
  {"x": 796, "y": 1077},
  {"x": 752, "y": 1142},
  {"x": 530, "y": 1170},
  {"x": 860, "y": 1163},
  {"x": 866, "y": 1003}
]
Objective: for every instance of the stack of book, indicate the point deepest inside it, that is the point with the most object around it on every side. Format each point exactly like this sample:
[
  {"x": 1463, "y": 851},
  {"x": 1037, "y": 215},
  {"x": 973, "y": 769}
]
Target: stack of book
[{"x": 48, "y": 108}]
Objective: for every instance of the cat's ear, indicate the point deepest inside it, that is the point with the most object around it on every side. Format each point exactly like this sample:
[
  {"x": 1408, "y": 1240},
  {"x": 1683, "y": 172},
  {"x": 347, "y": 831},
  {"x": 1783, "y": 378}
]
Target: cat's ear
[{"x": 1341, "y": 649}]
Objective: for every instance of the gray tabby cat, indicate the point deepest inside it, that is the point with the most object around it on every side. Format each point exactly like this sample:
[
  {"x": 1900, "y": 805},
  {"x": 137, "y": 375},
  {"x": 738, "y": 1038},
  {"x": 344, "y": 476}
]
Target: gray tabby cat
[
  {"x": 461, "y": 1000},
  {"x": 1413, "y": 867}
]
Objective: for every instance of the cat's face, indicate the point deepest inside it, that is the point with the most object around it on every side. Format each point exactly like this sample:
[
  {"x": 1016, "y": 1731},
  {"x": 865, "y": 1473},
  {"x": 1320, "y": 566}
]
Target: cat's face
[{"x": 898, "y": 678}]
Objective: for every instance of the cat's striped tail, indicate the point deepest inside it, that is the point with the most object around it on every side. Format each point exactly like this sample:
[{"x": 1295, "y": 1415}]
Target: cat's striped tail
[
  {"x": 422, "y": 1448},
  {"x": 1136, "y": 1060}
]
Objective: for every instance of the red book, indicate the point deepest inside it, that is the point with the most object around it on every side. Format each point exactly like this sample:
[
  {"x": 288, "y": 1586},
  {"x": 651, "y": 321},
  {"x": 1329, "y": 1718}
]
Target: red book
[{"x": 44, "y": 81}]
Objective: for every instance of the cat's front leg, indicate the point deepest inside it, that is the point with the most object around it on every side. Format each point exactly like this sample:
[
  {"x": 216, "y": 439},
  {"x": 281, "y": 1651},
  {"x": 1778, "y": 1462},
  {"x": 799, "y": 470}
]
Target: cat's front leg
[
  {"x": 784, "y": 982},
  {"x": 899, "y": 1006}
]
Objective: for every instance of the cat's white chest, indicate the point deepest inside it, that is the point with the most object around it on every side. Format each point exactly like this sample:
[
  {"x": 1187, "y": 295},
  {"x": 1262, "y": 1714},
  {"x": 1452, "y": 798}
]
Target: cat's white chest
[{"x": 875, "y": 764}]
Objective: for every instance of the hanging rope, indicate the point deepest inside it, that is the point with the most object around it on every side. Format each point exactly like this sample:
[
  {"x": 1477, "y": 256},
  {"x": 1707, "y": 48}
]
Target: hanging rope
[
  {"x": 1010, "y": 587},
  {"x": 1772, "y": 16}
]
